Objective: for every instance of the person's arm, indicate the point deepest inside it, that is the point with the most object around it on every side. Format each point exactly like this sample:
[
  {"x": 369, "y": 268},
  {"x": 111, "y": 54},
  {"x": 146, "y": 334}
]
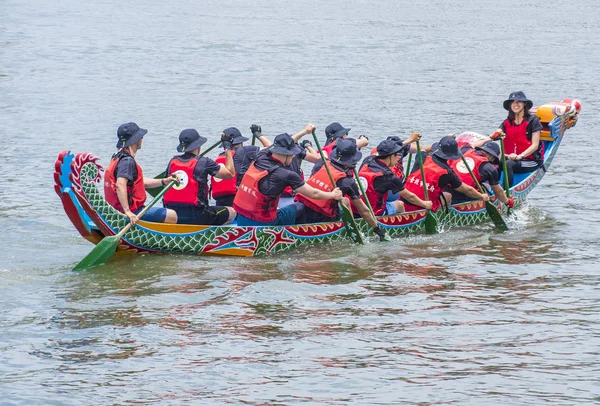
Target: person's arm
[
  {"x": 227, "y": 171},
  {"x": 306, "y": 130},
  {"x": 257, "y": 133},
  {"x": 124, "y": 200},
  {"x": 500, "y": 195},
  {"x": 318, "y": 194},
  {"x": 362, "y": 141},
  {"x": 416, "y": 200},
  {"x": 365, "y": 213},
  {"x": 472, "y": 193},
  {"x": 150, "y": 183},
  {"x": 535, "y": 143}
]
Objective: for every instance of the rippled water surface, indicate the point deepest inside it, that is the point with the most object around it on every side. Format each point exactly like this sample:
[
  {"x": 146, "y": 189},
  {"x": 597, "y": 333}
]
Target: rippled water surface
[{"x": 470, "y": 316}]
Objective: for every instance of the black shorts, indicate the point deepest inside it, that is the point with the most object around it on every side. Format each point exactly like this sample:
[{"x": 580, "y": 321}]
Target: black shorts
[
  {"x": 225, "y": 200},
  {"x": 211, "y": 215}
]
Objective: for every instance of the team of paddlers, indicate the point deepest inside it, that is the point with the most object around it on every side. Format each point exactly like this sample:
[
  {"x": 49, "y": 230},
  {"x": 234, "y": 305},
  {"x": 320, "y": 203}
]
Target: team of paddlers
[{"x": 266, "y": 186}]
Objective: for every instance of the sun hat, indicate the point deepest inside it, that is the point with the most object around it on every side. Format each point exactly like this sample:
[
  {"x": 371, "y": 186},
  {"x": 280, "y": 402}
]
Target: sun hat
[
  {"x": 446, "y": 148},
  {"x": 491, "y": 148},
  {"x": 129, "y": 134},
  {"x": 345, "y": 152},
  {"x": 236, "y": 135},
  {"x": 284, "y": 144},
  {"x": 189, "y": 140},
  {"x": 517, "y": 96},
  {"x": 387, "y": 148},
  {"x": 335, "y": 130}
]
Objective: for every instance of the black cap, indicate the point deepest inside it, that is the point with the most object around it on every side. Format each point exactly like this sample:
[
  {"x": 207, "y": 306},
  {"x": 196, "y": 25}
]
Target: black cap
[
  {"x": 517, "y": 96},
  {"x": 189, "y": 140},
  {"x": 129, "y": 134},
  {"x": 284, "y": 144},
  {"x": 446, "y": 148},
  {"x": 236, "y": 135},
  {"x": 491, "y": 148},
  {"x": 387, "y": 148},
  {"x": 345, "y": 152}
]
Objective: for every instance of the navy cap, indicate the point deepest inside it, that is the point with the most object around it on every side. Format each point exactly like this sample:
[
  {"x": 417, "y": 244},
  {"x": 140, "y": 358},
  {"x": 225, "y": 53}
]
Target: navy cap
[
  {"x": 491, "y": 148},
  {"x": 517, "y": 96},
  {"x": 236, "y": 135},
  {"x": 189, "y": 140},
  {"x": 129, "y": 134},
  {"x": 446, "y": 148},
  {"x": 345, "y": 152},
  {"x": 387, "y": 148},
  {"x": 335, "y": 130},
  {"x": 284, "y": 144}
]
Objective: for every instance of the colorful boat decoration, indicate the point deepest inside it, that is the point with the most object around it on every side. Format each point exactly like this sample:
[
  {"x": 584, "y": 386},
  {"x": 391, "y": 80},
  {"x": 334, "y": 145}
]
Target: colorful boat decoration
[{"x": 77, "y": 177}]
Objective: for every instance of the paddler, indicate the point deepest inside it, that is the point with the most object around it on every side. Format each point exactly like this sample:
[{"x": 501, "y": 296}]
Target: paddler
[
  {"x": 382, "y": 181},
  {"x": 257, "y": 198},
  {"x": 341, "y": 164},
  {"x": 334, "y": 132},
  {"x": 190, "y": 198},
  {"x": 483, "y": 158},
  {"x": 125, "y": 184},
  {"x": 439, "y": 175}
]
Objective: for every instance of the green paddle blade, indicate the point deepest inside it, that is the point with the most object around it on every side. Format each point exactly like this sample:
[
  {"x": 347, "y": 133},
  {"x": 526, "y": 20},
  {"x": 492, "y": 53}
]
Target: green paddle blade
[
  {"x": 494, "y": 214},
  {"x": 155, "y": 191},
  {"x": 350, "y": 224},
  {"x": 430, "y": 223},
  {"x": 100, "y": 254}
]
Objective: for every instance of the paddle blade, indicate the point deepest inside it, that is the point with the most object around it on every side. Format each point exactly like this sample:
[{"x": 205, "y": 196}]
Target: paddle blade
[
  {"x": 100, "y": 254},
  {"x": 350, "y": 224},
  {"x": 430, "y": 223},
  {"x": 494, "y": 214}
]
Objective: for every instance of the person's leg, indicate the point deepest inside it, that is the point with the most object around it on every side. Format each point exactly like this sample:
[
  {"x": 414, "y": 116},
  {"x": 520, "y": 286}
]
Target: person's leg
[
  {"x": 171, "y": 216},
  {"x": 225, "y": 200},
  {"x": 510, "y": 174},
  {"x": 154, "y": 214},
  {"x": 213, "y": 216},
  {"x": 526, "y": 166},
  {"x": 286, "y": 215}
]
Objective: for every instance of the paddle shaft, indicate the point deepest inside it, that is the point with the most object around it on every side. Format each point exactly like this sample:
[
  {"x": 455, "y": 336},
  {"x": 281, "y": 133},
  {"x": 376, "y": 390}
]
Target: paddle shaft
[
  {"x": 362, "y": 190},
  {"x": 408, "y": 166},
  {"x": 420, "y": 160},
  {"x": 347, "y": 216},
  {"x": 146, "y": 208},
  {"x": 506, "y": 185},
  {"x": 472, "y": 175}
]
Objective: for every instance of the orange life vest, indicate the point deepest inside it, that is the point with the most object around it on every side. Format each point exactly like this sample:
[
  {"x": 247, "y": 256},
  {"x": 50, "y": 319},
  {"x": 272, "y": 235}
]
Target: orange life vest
[
  {"x": 433, "y": 172},
  {"x": 320, "y": 180},
  {"x": 250, "y": 202},
  {"x": 377, "y": 200},
  {"x": 136, "y": 193}
]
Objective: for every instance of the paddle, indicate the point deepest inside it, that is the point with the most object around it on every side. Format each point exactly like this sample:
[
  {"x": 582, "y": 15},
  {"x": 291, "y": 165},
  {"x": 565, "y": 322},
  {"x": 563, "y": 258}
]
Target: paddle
[
  {"x": 408, "y": 166},
  {"x": 107, "y": 247},
  {"x": 430, "y": 219},
  {"x": 347, "y": 217},
  {"x": 491, "y": 210},
  {"x": 362, "y": 191},
  {"x": 156, "y": 190},
  {"x": 506, "y": 186}
]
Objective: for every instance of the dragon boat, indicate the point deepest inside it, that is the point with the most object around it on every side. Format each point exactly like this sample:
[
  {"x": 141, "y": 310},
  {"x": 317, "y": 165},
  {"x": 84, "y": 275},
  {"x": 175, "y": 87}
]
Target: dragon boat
[{"x": 77, "y": 177}]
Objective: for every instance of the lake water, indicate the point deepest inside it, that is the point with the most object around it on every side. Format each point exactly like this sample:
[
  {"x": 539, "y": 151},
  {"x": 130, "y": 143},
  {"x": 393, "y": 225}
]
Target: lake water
[{"x": 470, "y": 316}]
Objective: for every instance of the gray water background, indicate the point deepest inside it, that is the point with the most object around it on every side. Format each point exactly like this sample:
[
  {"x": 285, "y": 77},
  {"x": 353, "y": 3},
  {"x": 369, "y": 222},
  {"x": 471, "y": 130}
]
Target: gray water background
[{"x": 469, "y": 316}]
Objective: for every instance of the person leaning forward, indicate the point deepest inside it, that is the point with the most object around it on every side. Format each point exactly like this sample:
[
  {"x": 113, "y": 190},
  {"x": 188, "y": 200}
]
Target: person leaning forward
[
  {"x": 439, "y": 175},
  {"x": 342, "y": 163},
  {"x": 190, "y": 198},
  {"x": 125, "y": 184},
  {"x": 382, "y": 181},
  {"x": 483, "y": 158},
  {"x": 266, "y": 178}
]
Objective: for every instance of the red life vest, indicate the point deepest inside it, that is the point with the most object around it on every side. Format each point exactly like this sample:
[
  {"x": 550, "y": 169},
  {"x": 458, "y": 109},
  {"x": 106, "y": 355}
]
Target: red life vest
[
  {"x": 328, "y": 148},
  {"x": 475, "y": 160},
  {"x": 377, "y": 200},
  {"x": 516, "y": 140},
  {"x": 433, "y": 172},
  {"x": 320, "y": 180},
  {"x": 223, "y": 187},
  {"x": 189, "y": 190},
  {"x": 136, "y": 193},
  {"x": 250, "y": 202}
]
